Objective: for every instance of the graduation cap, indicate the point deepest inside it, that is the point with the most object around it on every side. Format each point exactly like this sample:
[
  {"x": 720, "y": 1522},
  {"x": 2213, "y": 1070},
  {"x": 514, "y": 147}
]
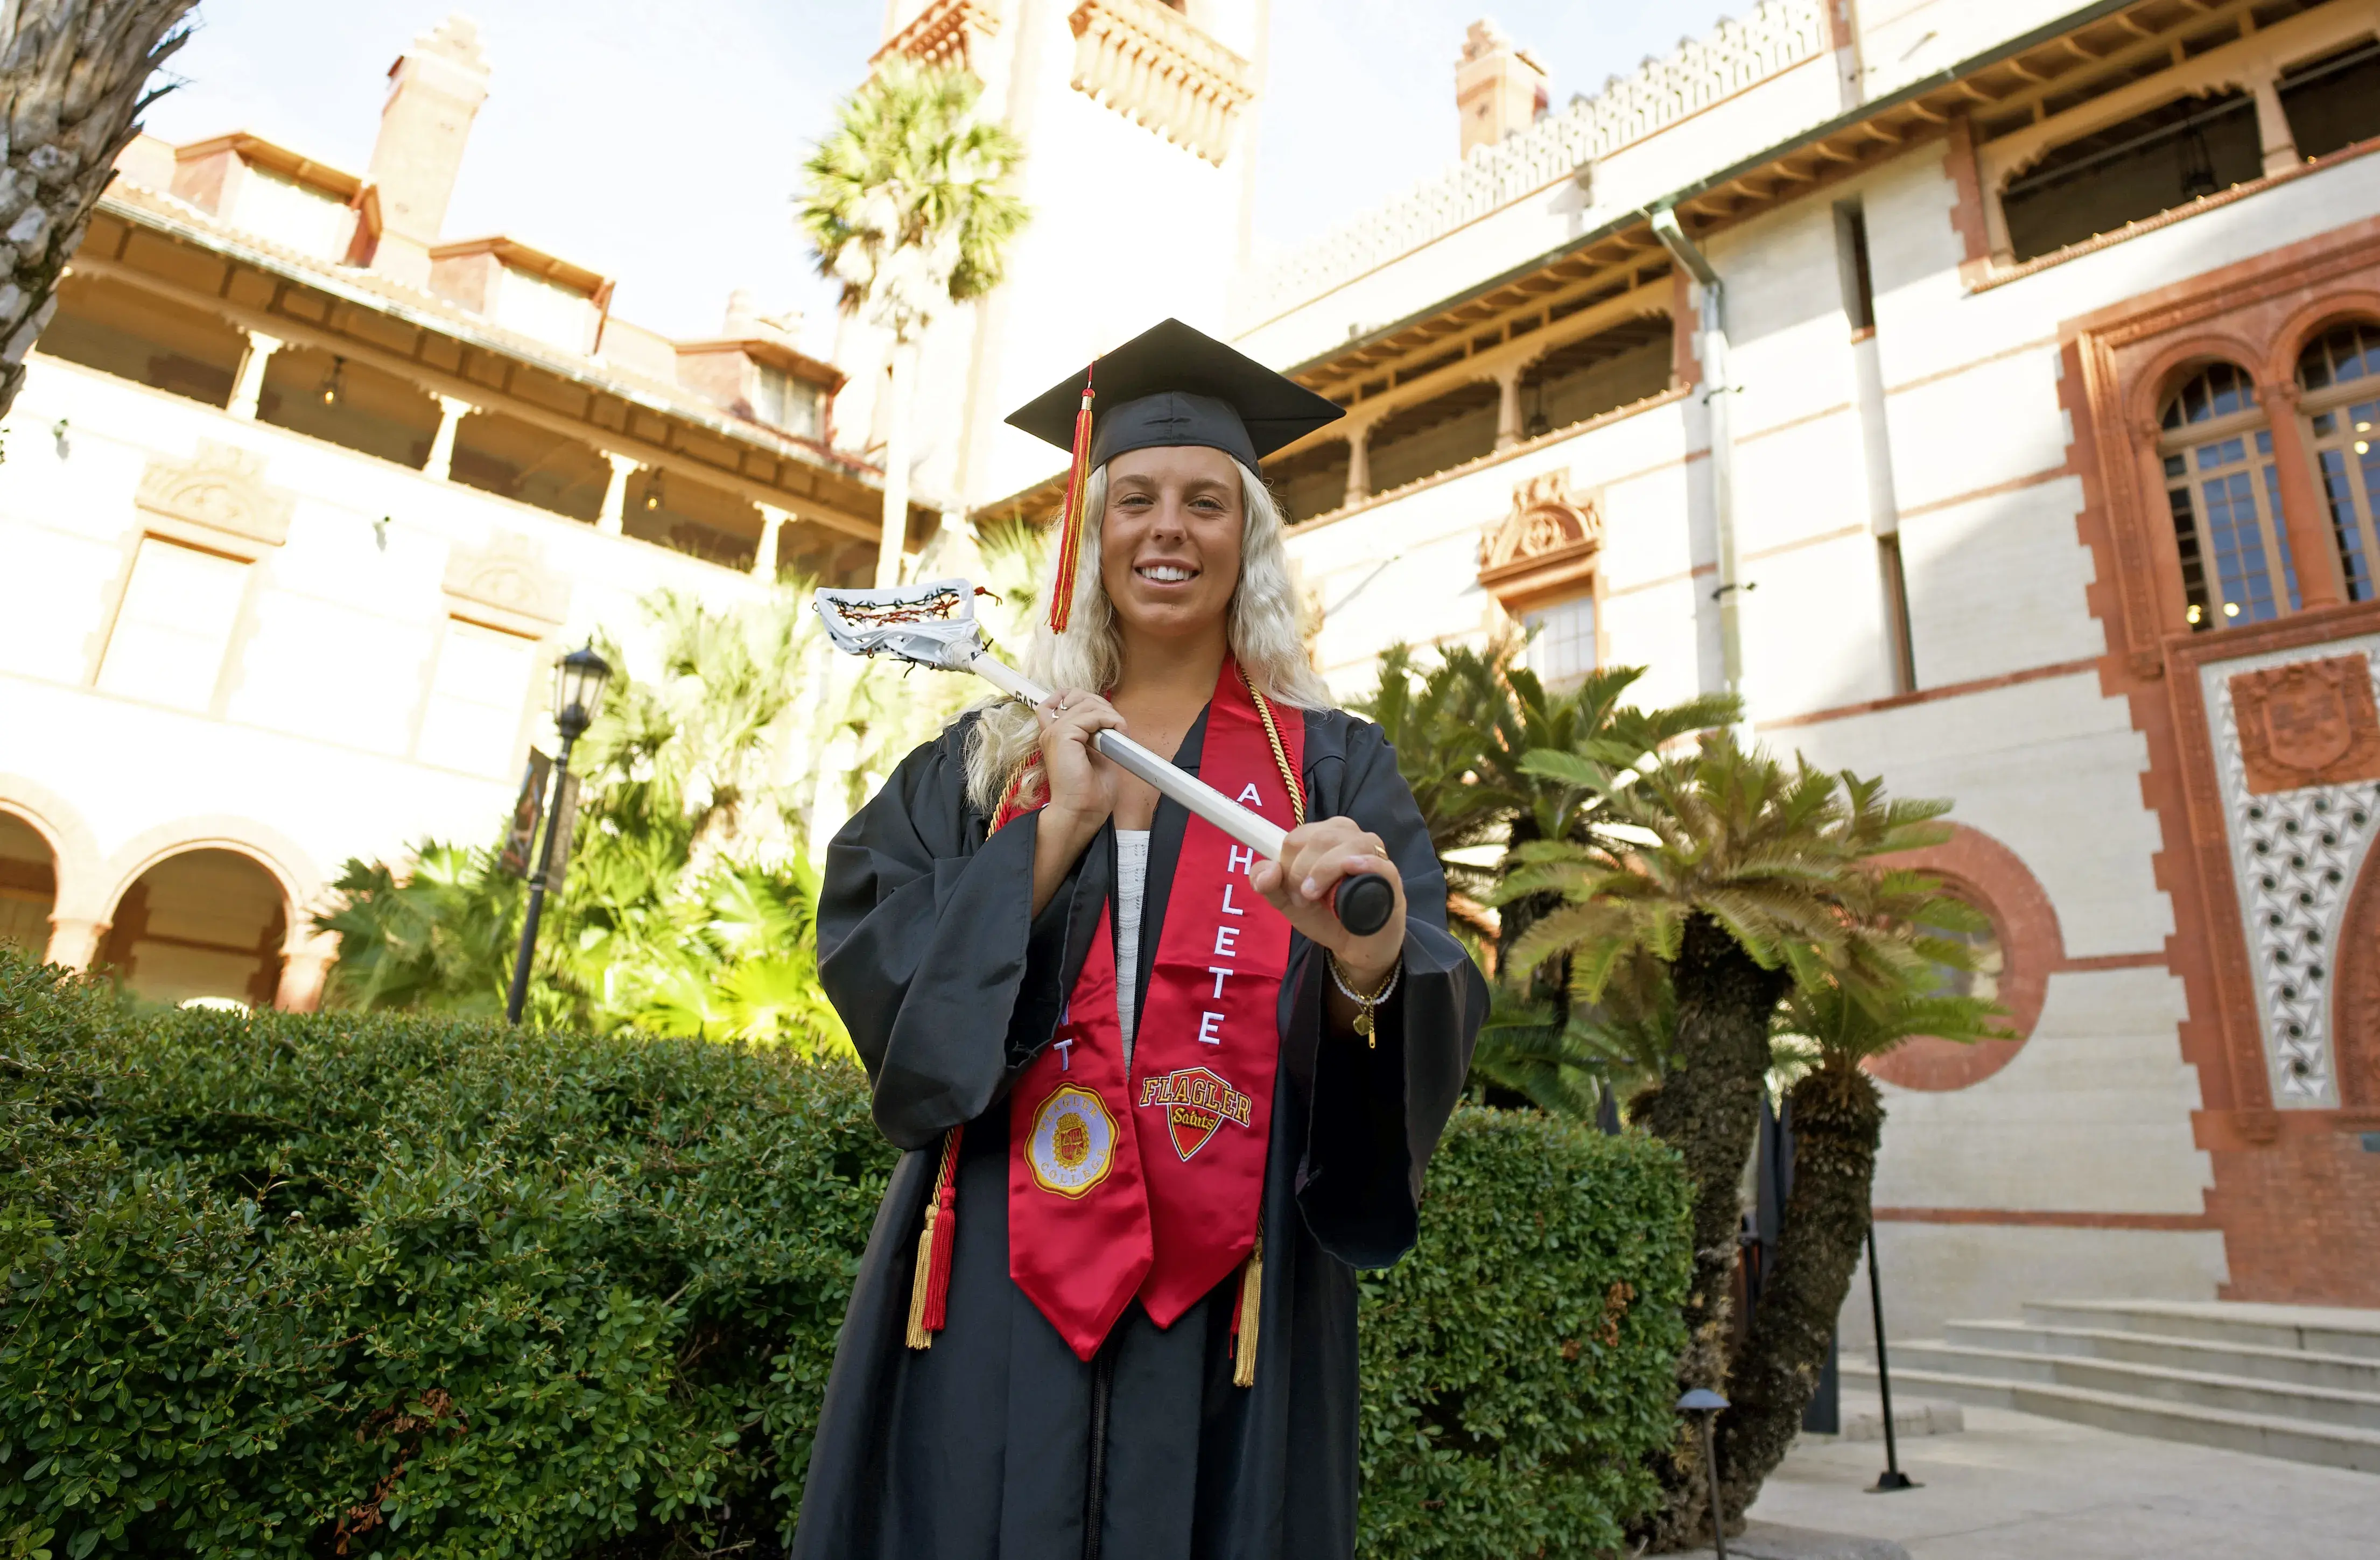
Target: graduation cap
[{"x": 1169, "y": 386}]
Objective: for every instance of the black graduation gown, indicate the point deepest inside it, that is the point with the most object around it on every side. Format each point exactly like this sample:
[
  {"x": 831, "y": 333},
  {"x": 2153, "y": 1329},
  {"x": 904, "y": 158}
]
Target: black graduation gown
[{"x": 997, "y": 1443}]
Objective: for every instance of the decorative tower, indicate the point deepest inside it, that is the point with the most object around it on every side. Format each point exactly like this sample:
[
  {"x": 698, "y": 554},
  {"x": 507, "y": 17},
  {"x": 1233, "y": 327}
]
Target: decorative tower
[
  {"x": 1137, "y": 119},
  {"x": 1498, "y": 89},
  {"x": 434, "y": 91}
]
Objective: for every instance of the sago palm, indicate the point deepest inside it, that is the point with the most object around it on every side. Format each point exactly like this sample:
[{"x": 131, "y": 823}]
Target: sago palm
[
  {"x": 1464, "y": 730},
  {"x": 1838, "y": 1116},
  {"x": 905, "y": 203},
  {"x": 73, "y": 80},
  {"x": 1739, "y": 877}
]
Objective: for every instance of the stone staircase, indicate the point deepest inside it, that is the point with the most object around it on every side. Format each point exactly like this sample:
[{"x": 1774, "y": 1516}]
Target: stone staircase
[{"x": 2284, "y": 1381}]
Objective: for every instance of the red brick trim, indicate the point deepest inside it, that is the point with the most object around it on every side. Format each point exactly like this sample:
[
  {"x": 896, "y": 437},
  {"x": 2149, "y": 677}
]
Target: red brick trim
[
  {"x": 2019, "y": 350},
  {"x": 1929, "y": 695},
  {"x": 2013, "y": 485},
  {"x": 1821, "y": 414},
  {"x": 1967, "y": 194},
  {"x": 2045, "y": 1218},
  {"x": 1697, "y": 571},
  {"x": 2113, "y": 962},
  {"x": 1800, "y": 542},
  {"x": 1992, "y": 877}
]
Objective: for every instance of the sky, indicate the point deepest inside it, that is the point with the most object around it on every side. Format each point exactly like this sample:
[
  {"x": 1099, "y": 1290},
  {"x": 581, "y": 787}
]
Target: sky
[{"x": 661, "y": 144}]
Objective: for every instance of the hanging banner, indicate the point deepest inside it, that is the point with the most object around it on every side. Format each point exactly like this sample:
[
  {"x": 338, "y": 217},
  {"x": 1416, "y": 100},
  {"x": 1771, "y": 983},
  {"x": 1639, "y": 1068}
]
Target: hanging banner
[
  {"x": 565, "y": 823},
  {"x": 520, "y": 838}
]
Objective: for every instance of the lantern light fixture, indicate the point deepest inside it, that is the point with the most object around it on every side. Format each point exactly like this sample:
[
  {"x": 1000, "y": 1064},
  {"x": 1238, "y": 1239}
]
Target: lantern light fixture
[{"x": 579, "y": 691}]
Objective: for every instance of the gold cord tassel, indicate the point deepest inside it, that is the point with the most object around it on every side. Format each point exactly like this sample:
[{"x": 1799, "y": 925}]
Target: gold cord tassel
[
  {"x": 918, "y": 1337},
  {"x": 1244, "y": 1324}
]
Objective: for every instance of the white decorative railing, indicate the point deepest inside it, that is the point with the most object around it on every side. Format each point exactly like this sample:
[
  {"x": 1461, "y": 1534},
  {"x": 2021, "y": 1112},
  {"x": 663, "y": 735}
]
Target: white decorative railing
[
  {"x": 1777, "y": 34},
  {"x": 1146, "y": 62}
]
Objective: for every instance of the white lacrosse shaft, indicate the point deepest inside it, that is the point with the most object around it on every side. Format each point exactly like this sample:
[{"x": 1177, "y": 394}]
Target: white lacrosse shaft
[{"x": 1247, "y": 828}]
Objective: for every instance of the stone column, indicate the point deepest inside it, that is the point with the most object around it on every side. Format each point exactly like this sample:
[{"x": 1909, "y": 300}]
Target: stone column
[
  {"x": 2273, "y": 133},
  {"x": 74, "y": 942},
  {"x": 248, "y": 391},
  {"x": 613, "y": 520},
  {"x": 306, "y": 962},
  {"x": 2305, "y": 518},
  {"x": 764, "y": 561},
  {"x": 1507, "y": 406},
  {"x": 1359, "y": 464},
  {"x": 452, "y": 410}
]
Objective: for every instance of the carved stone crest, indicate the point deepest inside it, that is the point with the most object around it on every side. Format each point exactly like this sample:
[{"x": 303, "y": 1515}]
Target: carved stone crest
[
  {"x": 507, "y": 584},
  {"x": 1550, "y": 537},
  {"x": 217, "y": 501},
  {"x": 2307, "y": 724}
]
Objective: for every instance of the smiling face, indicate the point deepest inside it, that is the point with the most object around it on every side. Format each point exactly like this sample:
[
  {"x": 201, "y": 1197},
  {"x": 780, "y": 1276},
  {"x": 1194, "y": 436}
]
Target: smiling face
[{"x": 1169, "y": 540}]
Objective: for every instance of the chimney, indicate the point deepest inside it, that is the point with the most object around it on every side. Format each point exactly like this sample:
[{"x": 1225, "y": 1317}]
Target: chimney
[
  {"x": 749, "y": 318},
  {"x": 1498, "y": 89},
  {"x": 435, "y": 90}
]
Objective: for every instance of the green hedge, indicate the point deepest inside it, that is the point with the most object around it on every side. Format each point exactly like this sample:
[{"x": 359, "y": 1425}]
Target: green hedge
[
  {"x": 1518, "y": 1368},
  {"x": 443, "y": 1289}
]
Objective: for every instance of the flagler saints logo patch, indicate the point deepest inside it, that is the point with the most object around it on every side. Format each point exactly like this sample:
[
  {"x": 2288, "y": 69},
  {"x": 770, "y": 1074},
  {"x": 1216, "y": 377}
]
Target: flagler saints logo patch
[
  {"x": 1072, "y": 1146},
  {"x": 1197, "y": 1100}
]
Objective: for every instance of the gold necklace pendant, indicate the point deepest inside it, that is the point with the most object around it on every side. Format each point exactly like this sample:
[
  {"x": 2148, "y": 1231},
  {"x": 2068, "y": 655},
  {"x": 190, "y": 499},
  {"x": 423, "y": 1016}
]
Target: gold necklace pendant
[{"x": 1364, "y": 1026}]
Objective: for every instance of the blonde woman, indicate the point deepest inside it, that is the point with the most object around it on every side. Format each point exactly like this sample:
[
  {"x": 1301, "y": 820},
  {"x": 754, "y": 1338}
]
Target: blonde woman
[{"x": 1158, "y": 1105}]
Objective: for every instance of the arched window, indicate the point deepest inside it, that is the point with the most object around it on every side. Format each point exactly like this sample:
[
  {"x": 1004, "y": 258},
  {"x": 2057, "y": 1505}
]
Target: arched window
[
  {"x": 2338, "y": 378},
  {"x": 2226, "y": 497}
]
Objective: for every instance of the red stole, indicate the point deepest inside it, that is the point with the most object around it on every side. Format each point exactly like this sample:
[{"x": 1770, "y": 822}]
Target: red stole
[{"x": 1148, "y": 1180}]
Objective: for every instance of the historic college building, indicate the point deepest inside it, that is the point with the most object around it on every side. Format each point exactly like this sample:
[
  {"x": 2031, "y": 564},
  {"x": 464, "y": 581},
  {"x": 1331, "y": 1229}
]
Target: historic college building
[
  {"x": 300, "y": 501},
  {"x": 1985, "y": 391}
]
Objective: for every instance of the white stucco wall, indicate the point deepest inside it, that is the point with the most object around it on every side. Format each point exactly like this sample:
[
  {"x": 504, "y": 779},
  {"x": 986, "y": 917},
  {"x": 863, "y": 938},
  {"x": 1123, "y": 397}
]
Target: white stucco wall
[{"x": 330, "y": 670}]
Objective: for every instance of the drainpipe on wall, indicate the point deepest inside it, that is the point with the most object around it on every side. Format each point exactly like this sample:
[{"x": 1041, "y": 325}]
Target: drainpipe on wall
[{"x": 1712, "y": 307}]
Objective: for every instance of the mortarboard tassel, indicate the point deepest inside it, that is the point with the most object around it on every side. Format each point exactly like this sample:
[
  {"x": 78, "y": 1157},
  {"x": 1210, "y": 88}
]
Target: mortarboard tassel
[
  {"x": 1070, "y": 529},
  {"x": 1243, "y": 1316},
  {"x": 929, "y": 1290}
]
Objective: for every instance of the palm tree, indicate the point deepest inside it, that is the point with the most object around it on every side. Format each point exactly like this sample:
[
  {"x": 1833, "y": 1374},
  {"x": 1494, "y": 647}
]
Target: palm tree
[
  {"x": 72, "y": 74},
  {"x": 1838, "y": 1118},
  {"x": 1740, "y": 878},
  {"x": 687, "y": 908},
  {"x": 905, "y": 208},
  {"x": 1464, "y": 730}
]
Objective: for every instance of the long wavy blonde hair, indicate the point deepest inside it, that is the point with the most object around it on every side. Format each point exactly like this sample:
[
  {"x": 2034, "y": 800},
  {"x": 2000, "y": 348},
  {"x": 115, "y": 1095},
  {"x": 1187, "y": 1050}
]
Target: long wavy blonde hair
[{"x": 1262, "y": 625}]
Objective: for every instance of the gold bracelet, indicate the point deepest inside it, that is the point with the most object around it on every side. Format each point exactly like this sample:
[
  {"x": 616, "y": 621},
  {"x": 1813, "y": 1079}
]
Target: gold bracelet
[{"x": 1364, "y": 1004}]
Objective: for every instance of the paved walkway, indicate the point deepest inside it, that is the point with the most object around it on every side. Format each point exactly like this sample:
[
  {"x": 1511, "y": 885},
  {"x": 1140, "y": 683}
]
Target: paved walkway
[{"x": 2016, "y": 1487}]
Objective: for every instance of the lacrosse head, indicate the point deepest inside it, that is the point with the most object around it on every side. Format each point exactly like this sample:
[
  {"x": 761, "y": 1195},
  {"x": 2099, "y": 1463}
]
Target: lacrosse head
[{"x": 932, "y": 624}]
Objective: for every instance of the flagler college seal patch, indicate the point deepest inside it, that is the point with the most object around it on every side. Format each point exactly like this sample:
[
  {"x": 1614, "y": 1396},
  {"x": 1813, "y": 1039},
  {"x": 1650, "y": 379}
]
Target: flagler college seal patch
[
  {"x": 1072, "y": 1146},
  {"x": 1197, "y": 1100}
]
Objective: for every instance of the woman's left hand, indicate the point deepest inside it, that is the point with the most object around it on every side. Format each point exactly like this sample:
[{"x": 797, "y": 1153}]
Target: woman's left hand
[{"x": 1314, "y": 860}]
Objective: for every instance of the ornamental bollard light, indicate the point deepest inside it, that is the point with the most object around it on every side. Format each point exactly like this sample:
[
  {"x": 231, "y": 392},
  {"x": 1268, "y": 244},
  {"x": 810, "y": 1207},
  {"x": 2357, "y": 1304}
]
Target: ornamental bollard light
[
  {"x": 578, "y": 691},
  {"x": 1705, "y": 1403}
]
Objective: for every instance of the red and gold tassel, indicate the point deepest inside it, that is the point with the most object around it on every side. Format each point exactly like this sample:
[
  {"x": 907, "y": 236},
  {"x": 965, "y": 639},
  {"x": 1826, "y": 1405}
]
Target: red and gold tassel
[
  {"x": 929, "y": 1290},
  {"x": 1244, "y": 1316},
  {"x": 1070, "y": 529}
]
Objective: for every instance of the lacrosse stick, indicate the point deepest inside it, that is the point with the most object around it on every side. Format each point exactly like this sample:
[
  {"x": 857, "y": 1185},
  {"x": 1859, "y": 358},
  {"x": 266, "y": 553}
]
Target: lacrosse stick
[{"x": 934, "y": 624}]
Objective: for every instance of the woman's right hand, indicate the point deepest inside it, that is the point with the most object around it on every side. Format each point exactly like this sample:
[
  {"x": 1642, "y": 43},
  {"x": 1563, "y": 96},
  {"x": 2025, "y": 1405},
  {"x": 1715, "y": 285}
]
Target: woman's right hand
[{"x": 1082, "y": 784}]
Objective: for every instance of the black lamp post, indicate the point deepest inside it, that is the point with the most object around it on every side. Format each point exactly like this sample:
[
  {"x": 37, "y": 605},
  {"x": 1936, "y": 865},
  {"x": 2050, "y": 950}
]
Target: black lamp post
[
  {"x": 1706, "y": 1404},
  {"x": 1891, "y": 1479},
  {"x": 577, "y": 690}
]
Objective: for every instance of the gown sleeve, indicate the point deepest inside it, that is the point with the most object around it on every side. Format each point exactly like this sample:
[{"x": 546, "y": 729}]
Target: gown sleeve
[
  {"x": 926, "y": 949},
  {"x": 1376, "y": 1111}
]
